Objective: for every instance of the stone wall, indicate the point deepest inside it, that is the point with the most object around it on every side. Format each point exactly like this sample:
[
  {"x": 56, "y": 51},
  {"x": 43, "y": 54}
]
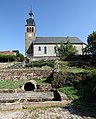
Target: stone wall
[{"x": 23, "y": 74}]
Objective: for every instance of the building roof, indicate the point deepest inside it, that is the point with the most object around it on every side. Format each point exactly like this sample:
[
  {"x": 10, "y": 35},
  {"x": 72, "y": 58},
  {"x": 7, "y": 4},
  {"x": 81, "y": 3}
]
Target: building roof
[
  {"x": 57, "y": 40},
  {"x": 7, "y": 53},
  {"x": 30, "y": 22}
]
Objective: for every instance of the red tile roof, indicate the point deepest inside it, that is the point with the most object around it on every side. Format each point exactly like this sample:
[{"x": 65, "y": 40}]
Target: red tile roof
[{"x": 7, "y": 53}]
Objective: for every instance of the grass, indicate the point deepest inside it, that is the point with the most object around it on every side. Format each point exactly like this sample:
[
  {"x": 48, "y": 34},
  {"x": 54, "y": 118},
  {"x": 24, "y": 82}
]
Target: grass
[
  {"x": 73, "y": 70},
  {"x": 70, "y": 91},
  {"x": 79, "y": 102},
  {"x": 10, "y": 84},
  {"x": 41, "y": 80},
  {"x": 64, "y": 66}
]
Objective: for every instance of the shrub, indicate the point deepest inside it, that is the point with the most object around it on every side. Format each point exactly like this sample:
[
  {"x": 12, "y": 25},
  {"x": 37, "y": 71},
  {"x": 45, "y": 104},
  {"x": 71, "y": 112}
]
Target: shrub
[
  {"x": 61, "y": 79},
  {"x": 66, "y": 50},
  {"x": 70, "y": 91},
  {"x": 41, "y": 63},
  {"x": 7, "y": 58},
  {"x": 84, "y": 82},
  {"x": 19, "y": 57}
]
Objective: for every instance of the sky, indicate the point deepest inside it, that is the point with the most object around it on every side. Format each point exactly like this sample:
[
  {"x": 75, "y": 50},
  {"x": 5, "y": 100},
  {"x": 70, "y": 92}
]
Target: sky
[{"x": 74, "y": 18}]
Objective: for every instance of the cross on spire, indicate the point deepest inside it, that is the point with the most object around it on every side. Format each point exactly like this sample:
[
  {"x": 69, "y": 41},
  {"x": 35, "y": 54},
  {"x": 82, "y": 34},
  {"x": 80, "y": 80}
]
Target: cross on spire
[{"x": 30, "y": 13}]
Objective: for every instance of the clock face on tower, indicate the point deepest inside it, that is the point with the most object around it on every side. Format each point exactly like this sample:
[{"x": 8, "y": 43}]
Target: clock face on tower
[{"x": 30, "y": 35}]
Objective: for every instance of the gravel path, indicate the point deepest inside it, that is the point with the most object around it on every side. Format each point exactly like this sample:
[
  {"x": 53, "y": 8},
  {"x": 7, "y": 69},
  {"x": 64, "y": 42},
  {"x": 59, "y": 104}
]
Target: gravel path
[{"x": 44, "y": 113}]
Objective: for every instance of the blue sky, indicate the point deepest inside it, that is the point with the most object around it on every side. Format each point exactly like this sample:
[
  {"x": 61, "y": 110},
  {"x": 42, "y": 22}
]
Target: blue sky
[{"x": 52, "y": 17}]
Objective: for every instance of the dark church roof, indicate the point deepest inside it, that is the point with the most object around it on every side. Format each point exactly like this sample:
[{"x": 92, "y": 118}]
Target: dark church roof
[
  {"x": 57, "y": 40},
  {"x": 30, "y": 22}
]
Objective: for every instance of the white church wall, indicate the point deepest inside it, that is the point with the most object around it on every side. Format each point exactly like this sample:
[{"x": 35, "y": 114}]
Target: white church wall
[{"x": 51, "y": 49}]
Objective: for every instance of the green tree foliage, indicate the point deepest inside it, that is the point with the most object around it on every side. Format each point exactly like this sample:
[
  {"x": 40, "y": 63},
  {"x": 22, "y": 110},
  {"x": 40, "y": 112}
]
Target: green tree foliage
[
  {"x": 66, "y": 50},
  {"x": 19, "y": 57},
  {"x": 7, "y": 58},
  {"x": 11, "y": 58},
  {"x": 41, "y": 63},
  {"x": 91, "y": 47}
]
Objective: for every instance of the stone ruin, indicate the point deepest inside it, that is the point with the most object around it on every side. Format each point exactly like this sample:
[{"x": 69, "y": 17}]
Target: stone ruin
[{"x": 30, "y": 92}]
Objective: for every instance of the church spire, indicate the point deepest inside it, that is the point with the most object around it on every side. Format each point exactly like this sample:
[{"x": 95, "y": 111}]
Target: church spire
[
  {"x": 30, "y": 21},
  {"x": 30, "y": 13}
]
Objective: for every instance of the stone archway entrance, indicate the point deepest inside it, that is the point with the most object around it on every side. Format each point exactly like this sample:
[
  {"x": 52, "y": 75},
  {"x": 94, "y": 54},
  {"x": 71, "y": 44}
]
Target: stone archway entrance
[{"x": 29, "y": 86}]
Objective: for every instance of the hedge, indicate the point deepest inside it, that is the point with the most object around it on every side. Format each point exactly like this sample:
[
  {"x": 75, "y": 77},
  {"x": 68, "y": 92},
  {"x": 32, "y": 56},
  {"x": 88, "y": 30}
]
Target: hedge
[{"x": 7, "y": 58}]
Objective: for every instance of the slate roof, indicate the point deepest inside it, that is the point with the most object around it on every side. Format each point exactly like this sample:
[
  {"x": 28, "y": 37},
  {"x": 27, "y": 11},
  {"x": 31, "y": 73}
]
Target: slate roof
[
  {"x": 30, "y": 22},
  {"x": 56, "y": 40}
]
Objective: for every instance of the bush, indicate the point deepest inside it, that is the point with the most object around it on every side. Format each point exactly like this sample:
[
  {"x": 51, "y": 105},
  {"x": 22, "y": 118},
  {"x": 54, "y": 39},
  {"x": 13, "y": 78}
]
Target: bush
[
  {"x": 61, "y": 79},
  {"x": 11, "y": 58},
  {"x": 7, "y": 58},
  {"x": 70, "y": 91},
  {"x": 84, "y": 82},
  {"x": 41, "y": 63},
  {"x": 84, "y": 61},
  {"x": 66, "y": 50},
  {"x": 19, "y": 57}
]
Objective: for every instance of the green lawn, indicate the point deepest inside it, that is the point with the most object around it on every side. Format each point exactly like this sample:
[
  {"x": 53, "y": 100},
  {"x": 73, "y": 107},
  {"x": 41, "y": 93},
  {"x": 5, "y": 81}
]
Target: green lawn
[
  {"x": 41, "y": 80},
  {"x": 10, "y": 84},
  {"x": 70, "y": 91},
  {"x": 74, "y": 70},
  {"x": 64, "y": 66}
]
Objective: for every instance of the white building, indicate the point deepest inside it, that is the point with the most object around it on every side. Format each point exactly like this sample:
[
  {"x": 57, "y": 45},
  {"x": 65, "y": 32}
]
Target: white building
[{"x": 45, "y": 47}]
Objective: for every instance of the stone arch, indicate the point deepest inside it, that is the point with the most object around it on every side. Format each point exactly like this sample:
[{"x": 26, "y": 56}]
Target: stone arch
[{"x": 29, "y": 86}]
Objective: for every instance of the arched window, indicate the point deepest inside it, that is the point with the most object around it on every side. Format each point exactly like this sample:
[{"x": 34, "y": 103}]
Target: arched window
[
  {"x": 55, "y": 50},
  {"x": 39, "y": 48},
  {"x": 27, "y": 29},
  {"x": 45, "y": 50},
  {"x": 32, "y": 29}
]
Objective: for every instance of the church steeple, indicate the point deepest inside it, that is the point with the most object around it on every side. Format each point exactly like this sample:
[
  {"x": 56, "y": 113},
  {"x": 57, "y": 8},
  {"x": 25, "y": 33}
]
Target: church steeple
[
  {"x": 30, "y": 21},
  {"x": 30, "y": 13},
  {"x": 30, "y": 33}
]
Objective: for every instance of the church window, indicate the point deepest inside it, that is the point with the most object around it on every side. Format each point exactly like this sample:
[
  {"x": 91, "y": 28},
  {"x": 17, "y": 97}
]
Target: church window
[
  {"x": 55, "y": 50},
  {"x": 27, "y": 29},
  {"x": 39, "y": 48},
  {"x": 32, "y": 29},
  {"x": 45, "y": 50}
]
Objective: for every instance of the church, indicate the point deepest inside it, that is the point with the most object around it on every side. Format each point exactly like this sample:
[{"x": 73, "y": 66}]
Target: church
[{"x": 45, "y": 47}]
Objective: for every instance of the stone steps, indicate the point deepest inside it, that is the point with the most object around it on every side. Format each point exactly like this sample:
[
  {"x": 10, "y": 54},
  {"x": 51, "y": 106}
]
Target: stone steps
[
  {"x": 29, "y": 105},
  {"x": 26, "y": 97}
]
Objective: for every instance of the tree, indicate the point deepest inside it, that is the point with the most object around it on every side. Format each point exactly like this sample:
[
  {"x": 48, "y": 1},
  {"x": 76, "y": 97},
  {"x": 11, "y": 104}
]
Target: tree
[
  {"x": 7, "y": 58},
  {"x": 66, "y": 50},
  {"x": 91, "y": 48},
  {"x": 19, "y": 57},
  {"x": 91, "y": 43}
]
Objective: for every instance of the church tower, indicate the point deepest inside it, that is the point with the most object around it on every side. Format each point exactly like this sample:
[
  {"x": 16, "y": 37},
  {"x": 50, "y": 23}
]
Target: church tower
[{"x": 30, "y": 32}]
